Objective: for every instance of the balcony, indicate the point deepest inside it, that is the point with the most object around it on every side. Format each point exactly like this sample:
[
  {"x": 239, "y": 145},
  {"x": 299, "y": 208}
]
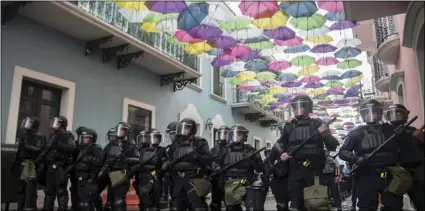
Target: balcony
[
  {"x": 102, "y": 27},
  {"x": 370, "y": 56},
  {"x": 387, "y": 39},
  {"x": 255, "y": 111},
  {"x": 382, "y": 77}
]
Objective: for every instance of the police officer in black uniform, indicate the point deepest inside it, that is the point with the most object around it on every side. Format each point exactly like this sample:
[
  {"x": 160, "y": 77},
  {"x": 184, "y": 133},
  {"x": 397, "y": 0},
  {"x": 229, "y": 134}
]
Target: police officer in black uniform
[
  {"x": 411, "y": 154},
  {"x": 279, "y": 176},
  {"x": 309, "y": 160},
  {"x": 222, "y": 139},
  {"x": 142, "y": 143},
  {"x": 89, "y": 161},
  {"x": 118, "y": 158},
  {"x": 191, "y": 156},
  {"x": 243, "y": 173},
  {"x": 72, "y": 177},
  {"x": 373, "y": 175},
  {"x": 57, "y": 158},
  {"x": 168, "y": 179},
  {"x": 31, "y": 143}
]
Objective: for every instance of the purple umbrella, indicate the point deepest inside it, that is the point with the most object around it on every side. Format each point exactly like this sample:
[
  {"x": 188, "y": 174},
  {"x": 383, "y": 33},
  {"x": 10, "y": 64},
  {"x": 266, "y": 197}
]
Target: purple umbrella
[
  {"x": 310, "y": 79},
  {"x": 291, "y": 84},
  {"x": 348, "y": 123},
  {"x": 323, "y": 48},
  {"x": 205, "y": 32},
  {"x": 166, "y": 7},
  {"x": 285, "y": 100},
  {"x": 320, "y": 96},
  {"x": 336, "y": 90},
  {"x": 341, "y": 25},
  {"x": 282, "y": 33},
  {"x": 313, "y": 85},
  {"x": 252, "y": 54},
  {"x": 340, "y": 101},
  {"x": 221, "y": 61},
  {"x": 223, "y": 42},
  {"x": 352, "y": 92},
  {"x": 325, "y": 102}
]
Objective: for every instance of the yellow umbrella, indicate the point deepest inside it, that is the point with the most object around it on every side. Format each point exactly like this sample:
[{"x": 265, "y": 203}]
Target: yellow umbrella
[
  {"x": 132, "y": 5},
  {"x": 277, "y": 20},
  {"x": 307, "y": 71},
  {"x": 324, "y": 99},
  {"x": 353, "y": 81},
  {"x": 320, "y": 39},
  {"x": 268, "y": 99},
  {"x": 149, "y": 27},
  {"x": 197, "y": 48},
  {"x": 246, "y": 75},
  {"x": 318, "y": 91},
  {"x": 277, "y": 90}
]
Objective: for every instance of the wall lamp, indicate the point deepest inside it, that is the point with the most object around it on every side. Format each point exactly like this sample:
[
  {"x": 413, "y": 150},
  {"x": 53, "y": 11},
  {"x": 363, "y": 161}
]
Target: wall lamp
[{"x": 208, "y": 124}]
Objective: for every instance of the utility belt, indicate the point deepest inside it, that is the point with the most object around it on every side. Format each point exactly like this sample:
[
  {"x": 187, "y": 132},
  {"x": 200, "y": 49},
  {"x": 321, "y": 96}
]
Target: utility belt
[
  {"x": 190, "y": 174},
  {"x": 300, "y": 163},
  {"x": 85, "y": 177},
  {"x": 55, "y": 165}
]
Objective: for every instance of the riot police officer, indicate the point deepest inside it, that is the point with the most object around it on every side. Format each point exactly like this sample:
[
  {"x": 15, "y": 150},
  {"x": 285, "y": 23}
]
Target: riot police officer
[
  {"x": 168, "y": 179},
  {"x": 87, "y": 165},
  {"x": 57, "y": 158},
  {"x": 222, "y": 139},
  {"x": 31, "y": 143},
  {"x": 240, "y": 176},
  {"x": 189, "y": 159},
  {"x": 72, "y": 177},
  {"x": 279, "y": 176},
  {"x": 142, "y": 143},
  {"x": 373, "y": 175},
  {"x": 307, "y": 163},
  {"x": 411, "y": 154},
  {"x": 119, "y": 156}
]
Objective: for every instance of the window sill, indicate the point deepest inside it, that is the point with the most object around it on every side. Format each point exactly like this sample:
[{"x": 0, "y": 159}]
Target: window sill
[
  {"x": 195, "y": 87},
  {"x": 218, "y": 98}
]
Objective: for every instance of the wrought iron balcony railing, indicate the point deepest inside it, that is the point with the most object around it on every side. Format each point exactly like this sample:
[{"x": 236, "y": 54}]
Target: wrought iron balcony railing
[
  {"x": 385, "y": 29},
  {"x": 108, "y": 11},
  {"x": 380, "y": 69}
]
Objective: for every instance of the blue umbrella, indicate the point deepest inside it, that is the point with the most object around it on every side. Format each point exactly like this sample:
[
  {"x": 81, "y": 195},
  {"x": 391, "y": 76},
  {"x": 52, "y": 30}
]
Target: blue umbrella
[
  {"x": 299, "y": 9},
  {"x": 260, "y": 89},
  {"x": 228, "y": 73},
  {"x": 297, "y": 49},
  {"x": 287, "y": 77},
  {"x": 256, "y": 65},
  {"x": 347, "y": 52},
  {"x": 313, "y": 85},
  {"x": 335, "y": 16},
  {"x": 216, "y": 52},
  {"x": 351, "y": 74},
  {"x": 192, "y": 16},
  {"x": 281, "y": 96},
  {"x": 332, "y": 78},
  {"x": 256, "y": 39}
]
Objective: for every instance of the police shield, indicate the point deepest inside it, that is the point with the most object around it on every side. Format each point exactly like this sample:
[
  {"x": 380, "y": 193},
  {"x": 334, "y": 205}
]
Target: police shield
[{"x": 256, "y": 194}]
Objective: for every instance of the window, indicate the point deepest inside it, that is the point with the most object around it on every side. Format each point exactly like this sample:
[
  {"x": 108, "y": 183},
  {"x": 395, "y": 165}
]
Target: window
[
  {"x": 218, "y": 83},
  {"x": 140, "y": 119},
  {"x": 41, "y": 101},
  {"x": 257, "y": 143},
  {"x": 400, "y": 94}
]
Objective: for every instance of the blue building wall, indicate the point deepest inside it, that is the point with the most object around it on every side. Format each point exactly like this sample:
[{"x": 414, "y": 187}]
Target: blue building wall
[{"x": 100, "y": 87}]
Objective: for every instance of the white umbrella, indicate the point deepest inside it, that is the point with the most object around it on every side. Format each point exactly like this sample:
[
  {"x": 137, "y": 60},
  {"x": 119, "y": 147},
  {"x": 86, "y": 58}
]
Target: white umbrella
[
  {"x": 349, "y": 42},
  {"x": 169, "y": 26},
  {"x": 314, "y": 32},
  {"x": 248, "y": 33},
  {"x": 329, "y": 73}
]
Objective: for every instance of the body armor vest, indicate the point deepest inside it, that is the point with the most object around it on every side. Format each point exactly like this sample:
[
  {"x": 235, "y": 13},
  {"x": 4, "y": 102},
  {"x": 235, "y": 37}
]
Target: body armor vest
[
  {"x": 34, "y": 140},
  {"x": 187, "y": 163},
  {"x": 146, "y": 154},
  {"x": 57, "y": 156},
  {"x": 330, "y": 166},
  {"x": 373, "y": 139},
  {"x": 116, "y": 152},
  {"x": 301, "y": 131},
  {"x": 83, "y": 168},
  {"x": 235, "y": 154}
]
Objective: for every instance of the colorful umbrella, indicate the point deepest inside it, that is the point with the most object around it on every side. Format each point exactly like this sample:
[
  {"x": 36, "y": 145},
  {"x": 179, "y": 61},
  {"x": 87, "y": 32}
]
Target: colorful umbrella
[
  {"x": 349, "y": 63},
  {"x": 155, "y": 17},
  {"x": 136, "y": 6},
  {"x": 270, "y": 82},
  {"x": 246, "y": 75},
  {"x": 239, "y": 50},
  {"x": 252, "y": 54},
  {"x": 277, "y": 90},
  {"x": 217, "y": 14},
  {"x": 166, "y": 7},
  {"x": 351, "y": 74},
  {"x": 328, "y": 73},
  {"x": 313, "y": 85},
  {"x": 169, "y": 26},
  {"x": 335, "y": 16},
  {"x": 260, "y": 45},
  {"x": 256, "y": 65},
  {"x": 331, "y": 6},
  {"x": 279, "y": 19},
  {"x": 341, "y": 25},
  {"x": 229, "y": 73},
  {"x": 279, "y": 65},
  {"x": 350, "y": 42},
  {"x": 309, "y": 23},
  {"x": 265, "y": 76},
  {"x": 238, "y": 22},
  {"x": 192, "y": 16},
  {"x": 205, "y": 32},
  {"x": 287, "y": 77},
  {"x": 319, "y": 31},
  {"x": 268, "y": 99},
  {"x": 353, "y": 81},
  {"x": 235, "y": 81},
  {"x": 171, "y": 39},
  {"x": 303, "y": 61},
  {"x": 185, "y": 37},
  {"x": 310, "y": 79},
  {"x": 327, "y": 61},
  {"x": 351, "y": 92},
  {"x": 297, "y": 49},
  {"x": 332, "y": 78},
  {"x": 281, "y": 33},
  {"x": 248, "y": 85},
  {"x": 258, "y": 9},
  {"x": 261, "y": 89},
  {"x": 291, "y": 84},
  {"x": 323, "y": 48},
  {"x": 223, "y": 42},
  {"x": 222, "y": 60},
  {"x": 149, "y": 27},
  {"x": 282, "y": 96},
  {"x": 308, "y": 71},
  {"x": 347, "y": 52},
  {"x": 320, "y": 39},
  {"x": 299, "y": 9},
  {"x": 250, "y": 32},
  {"x": 292, "y": 42},
  {"x": 197, "y": 48},
  {"x": 334, "y": 90}
]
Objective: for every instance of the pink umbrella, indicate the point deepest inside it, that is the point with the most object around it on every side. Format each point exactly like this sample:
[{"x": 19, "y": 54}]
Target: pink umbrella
[
  {"x": 183, "y": 36},
  {"x": 238, "y": 50},
  {"x": 327, "y": 61},
  {"x": 289, "y": 43},
  {"x": 279, "y": 65},
  {"x": 331, "y": 6},
  {"x": 258, "y": 9},
  {"x": 310, "y": 79},
  {"x": 336, "y": 90}
]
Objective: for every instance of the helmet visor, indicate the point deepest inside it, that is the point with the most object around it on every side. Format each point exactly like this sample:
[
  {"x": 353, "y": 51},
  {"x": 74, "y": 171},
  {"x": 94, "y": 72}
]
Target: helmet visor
[
  {"x": 55, "y": 123},
  {"x": 301, "y": 108},
  {"x": 396, "y": 114},
  {"x": 155, "y": 138},
  {"x": 371, "y": 114},
  {"x": 222, "y": 135},
  {"x": 237, "y": 135},
  {"x": 184, "y": 129},
  {"x": 85, "y": 139},
  {"x": 122, "y": 131},
  {"x": 142, "y": 139},
  {"x": 27, "y": 123}
]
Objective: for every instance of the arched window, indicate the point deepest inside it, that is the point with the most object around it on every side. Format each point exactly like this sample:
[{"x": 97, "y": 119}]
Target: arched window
[{"x": 400, "y": 94}]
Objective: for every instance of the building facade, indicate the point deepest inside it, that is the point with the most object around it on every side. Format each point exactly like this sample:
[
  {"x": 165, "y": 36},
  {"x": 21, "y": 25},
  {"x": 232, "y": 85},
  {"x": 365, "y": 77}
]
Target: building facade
[{"x": 97, "y": 73}]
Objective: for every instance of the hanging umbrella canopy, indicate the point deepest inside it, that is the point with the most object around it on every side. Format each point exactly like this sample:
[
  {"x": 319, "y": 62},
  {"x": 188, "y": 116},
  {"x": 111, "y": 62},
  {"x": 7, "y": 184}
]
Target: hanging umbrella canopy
[
  {"x": 217, "y": 14},
  {"x": 323, "y": 48},
  {"x": 260, "y": 89},
  {"x": 334, "y": 90},
  {"x": 238, "y": 50},
  {"x": 351, "y": 74},
  {"x": 291, "y": 84},
  {"x": 256, "y": 65},
  {"x": 282, "y": 96},
  {"x": 289, "y": 43},
  {"x": 229, "y": 73},
  {"x": 335, "y": 16},
  {"x": 134, "y": 5},
  {"x": 313, "y": 85},
  {"x": 281, "y": 33},
  {"x": 327, "y": 61},
  {"x": 331, "y": 6},
  {"x": 319, "y": 31},
  {"x": 303, "y": 61},
  {"x": 205, "y": 32},
  {"x": 171, "y": 39},
  {"x": 310, "y": 79},
  {"x": 308, "y": 23},
  {"x": 237, "y": 22},
  {"x": 242, "y": 34},
  {"x": 279, "y": 19},
  {"x": 287, "y": 77},
  {"x": 223, "y": 42},
  {"x": 252, "y": 54},
  {"x": 277, "y": 90},
  {"x": 270, "y": 82},
  {"x": 332, "y": 78},
  {"x": 328, "y": 73},
  {"x": 347, "y": 52},
  {"x": 353, "y": 81},
  {"x": 222, "y": 60},
  {"x": 321, "y": 39},
  {"x": 197, "y": 48},
  {"x": 169, "y": 26},
  {"x": 258, "y": 9},
  {"x": 279, "y": 65},
  {"x": 299, "y": 9},
  {"x": 297, "y": 49},
  {"x": 349, "y": 63},
  {"x": 334, "y": 84},
  {"x": 246, "y": 75},
  {"x": 166, "y": 7},
  {"x": 349, "y": 42},
  {"x": 308, "y": 71},
  {"x": 265, "y": 76},
  {"x": 192, "y": 16},
  {"x": 185, "y": 37},
  {"x": 235, "y": 81},
  {"x": 341, "y": 25},
  {"x": 261, "y": 45},
  {"x": 248, "y": 85}
]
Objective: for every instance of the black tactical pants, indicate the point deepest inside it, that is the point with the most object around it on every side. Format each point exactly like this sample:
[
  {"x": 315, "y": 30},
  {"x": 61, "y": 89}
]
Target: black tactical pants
[
  {"x": 56, "y": 183},
  {"x": 27, "y": 194},
  {"x": 119, "y": 193},
  {"x": 279, "y": 187},
  {"x": 73, "y": 190},
  {"x": 416, "y": 194},
  {"x": 299, "y": 178},
  {"x": 370, "y": 183},
  {"x": 354, "y": 189},
  {"x": 87, "y": 193},
  {"x": 102, "y": 183},
  {"x": 217, "y": 195},
  {"x": 333, "y": 191},
  {"x": 149, "y": 193},
  {"x": 185, "y": 196}
]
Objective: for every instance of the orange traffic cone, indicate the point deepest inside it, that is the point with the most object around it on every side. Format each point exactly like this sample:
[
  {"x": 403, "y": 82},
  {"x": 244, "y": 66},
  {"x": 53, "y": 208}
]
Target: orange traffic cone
[{"x": 131, "y": 197}]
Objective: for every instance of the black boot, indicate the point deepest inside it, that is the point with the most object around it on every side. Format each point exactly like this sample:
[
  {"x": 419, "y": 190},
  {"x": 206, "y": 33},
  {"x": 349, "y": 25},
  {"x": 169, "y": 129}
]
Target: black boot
[
  {"x": 63, "y": 203},
  {"x": 98, "y": 205},
  {"x": 31, "y": 195},
  {"x": 21, "y": 202},
  {"x": 49, "y": 203}
]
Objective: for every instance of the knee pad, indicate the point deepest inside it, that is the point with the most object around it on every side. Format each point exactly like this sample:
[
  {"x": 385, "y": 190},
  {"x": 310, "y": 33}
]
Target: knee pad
[{"x": 62, "y": 192}]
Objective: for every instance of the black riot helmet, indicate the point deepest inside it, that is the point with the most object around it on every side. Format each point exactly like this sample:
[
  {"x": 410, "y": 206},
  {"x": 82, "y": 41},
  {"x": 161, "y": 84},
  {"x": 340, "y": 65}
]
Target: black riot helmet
[
  {"x": 59, "y": 122},
  {"x": 80, "y": 130},
  {"x": 111, "y": 135},
  {"x": 171, "y": 130},
  {"x": 123, "y": 130},
  {"x": 186, "y": 127},
  {"x": 30, "y": 123},
  {"x": 88, "y": 136},
  {"x": 397, "y": 114},
  {"x": 222, "y": 135},
  {"x": 141, "y": 139},
  {"x": 371, "y": 111},
  {"x": 154, "y": 136},
  {"x": 302, "y": 106},
  {"x": 238, "y": 134}
]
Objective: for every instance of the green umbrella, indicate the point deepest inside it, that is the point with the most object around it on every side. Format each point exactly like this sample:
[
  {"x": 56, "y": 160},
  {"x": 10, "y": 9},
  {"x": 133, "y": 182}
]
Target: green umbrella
[
  {"x": 240, "y": 23},
  {"x": 260, "y": 45},
  {"x": 349, "y": 63},
  {"x": 173, "y": 40},
  {"x": 265, "y": 76},
  {"x": 334, "y": 84},
  {"x": 155, "y": 17},
  {"x": 235, "y": 81},
  {"x": 303, "y": 61},
  {"x": 308, "y": 23}
]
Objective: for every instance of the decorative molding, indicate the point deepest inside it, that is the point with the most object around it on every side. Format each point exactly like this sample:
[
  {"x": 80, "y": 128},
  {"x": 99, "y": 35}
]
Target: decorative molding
[
  {"x": 217, "y": 123},
  {"x": 192, "y": 112},
  {"x": 66, "y": 105},
  {"x": 413, "y": 23},
  {"x": 127, "y": 101},
  {"x": 395, "y": 79},
  {"x": 218, "y": 98}
]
